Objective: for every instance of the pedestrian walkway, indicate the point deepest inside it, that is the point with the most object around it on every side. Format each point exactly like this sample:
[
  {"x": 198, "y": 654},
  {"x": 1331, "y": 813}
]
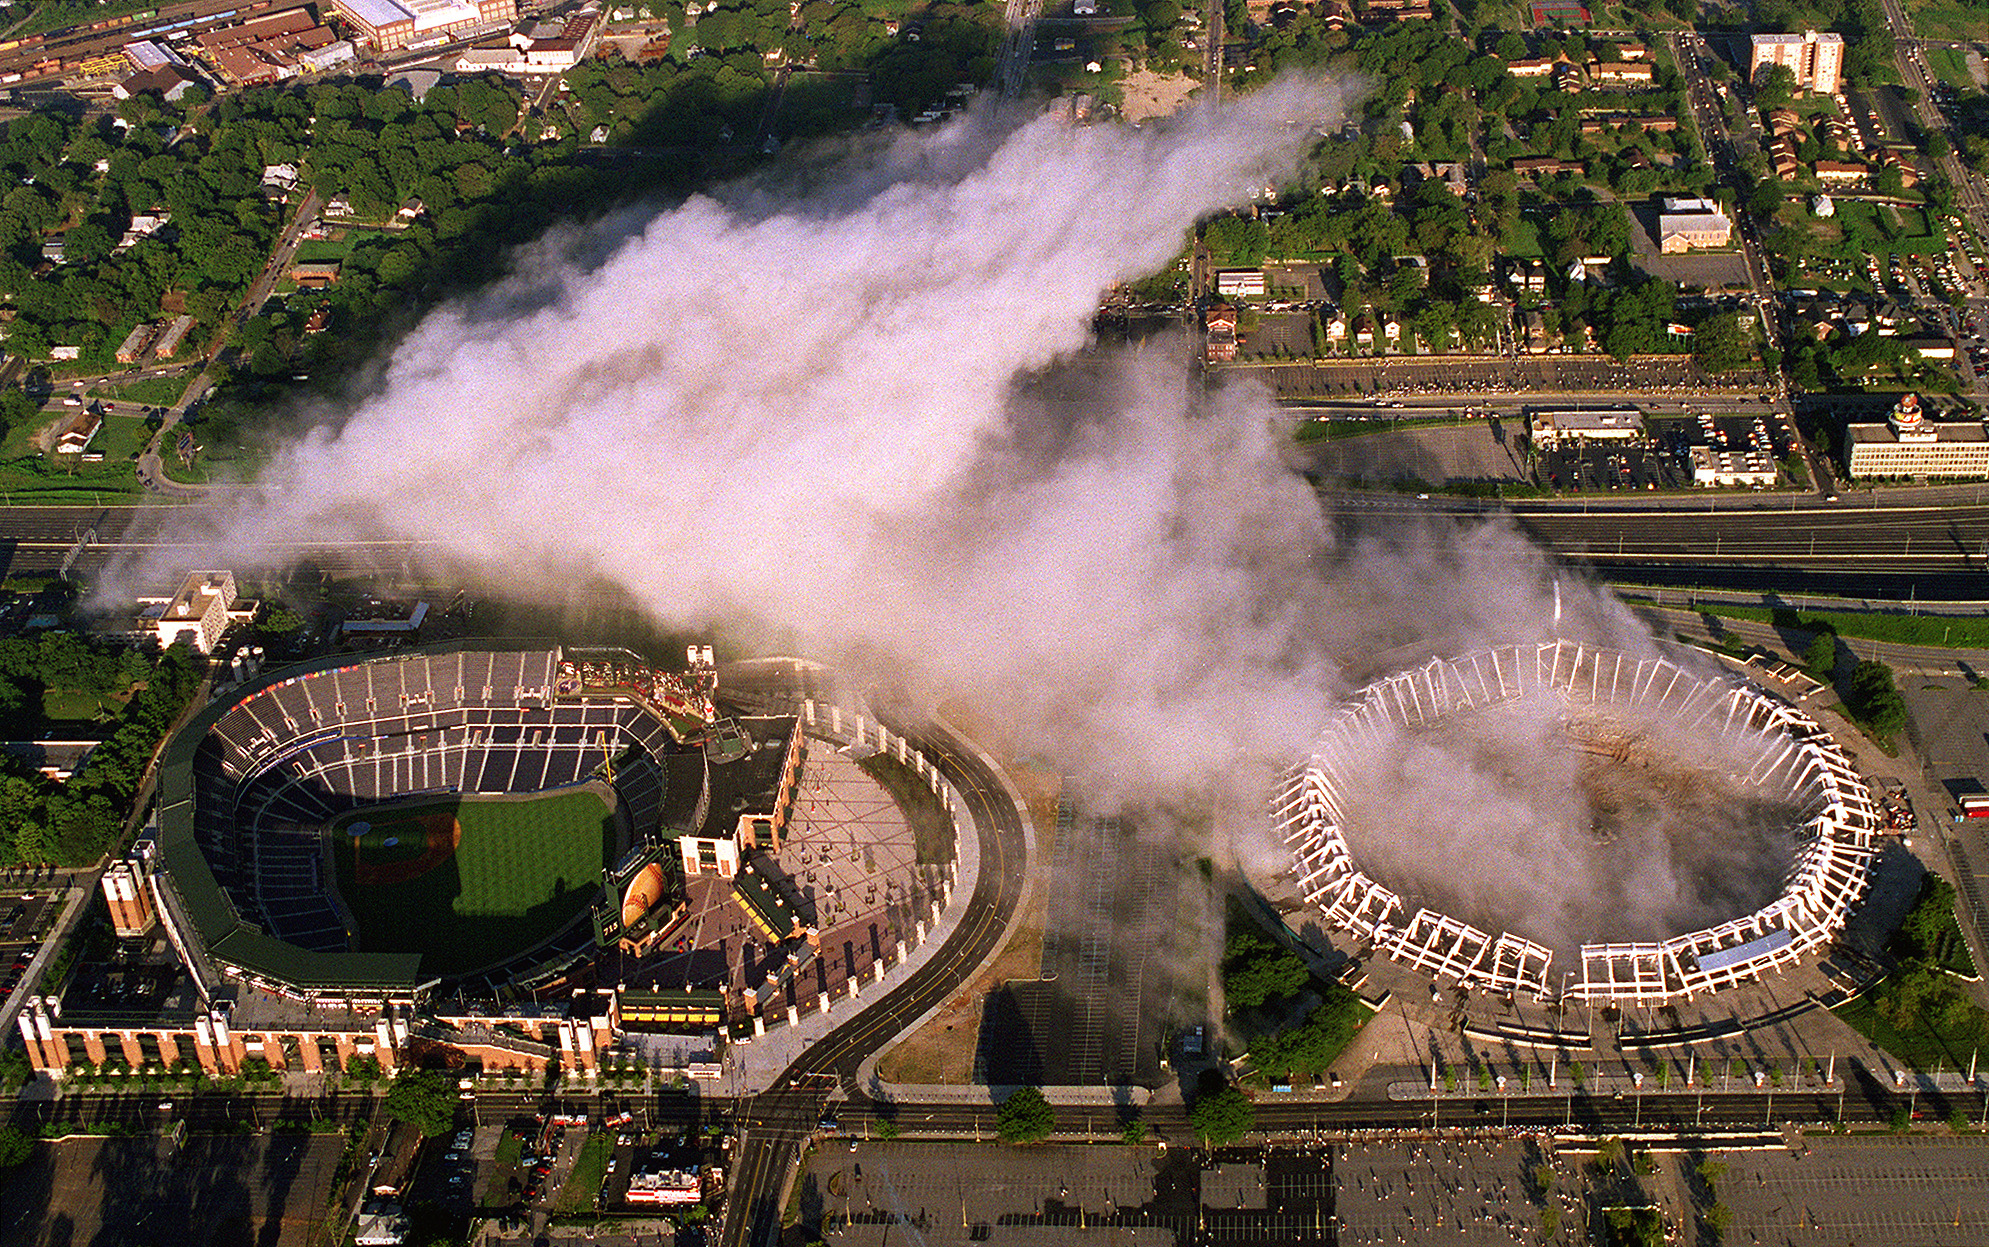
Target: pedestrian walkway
[{"x": 751, "y": 1066}]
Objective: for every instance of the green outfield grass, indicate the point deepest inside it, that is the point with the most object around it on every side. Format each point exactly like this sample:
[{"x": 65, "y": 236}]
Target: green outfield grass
[{"x": 522, "y": 870}]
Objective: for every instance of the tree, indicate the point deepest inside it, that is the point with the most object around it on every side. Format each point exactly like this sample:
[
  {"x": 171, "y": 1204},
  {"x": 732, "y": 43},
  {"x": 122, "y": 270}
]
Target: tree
[
  {"x": 15, "y": 1147},
  {"x": 1774, "y": 86},
  {"x": 1719, "y": 345},
  {"x": 1222, "y": 1116},
  {"x": 423, "y": 1099},
  {"x": 1609, "y": 1153},
  {"x": 1820, "y": 659},
  {"x": 1254, "y": 971},
  {"x": 1876, "y": 698},
  {"x": 1025, "y": 1117}
]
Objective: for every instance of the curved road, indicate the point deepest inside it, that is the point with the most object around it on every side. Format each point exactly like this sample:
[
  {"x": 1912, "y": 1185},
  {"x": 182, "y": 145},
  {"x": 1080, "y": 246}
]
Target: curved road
[{"x": 773, "y": 1123}]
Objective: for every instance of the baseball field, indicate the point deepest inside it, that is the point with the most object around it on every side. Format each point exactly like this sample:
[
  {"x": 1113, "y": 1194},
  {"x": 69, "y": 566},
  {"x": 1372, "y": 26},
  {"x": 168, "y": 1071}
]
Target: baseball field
[{"x": 468, "y": 881}]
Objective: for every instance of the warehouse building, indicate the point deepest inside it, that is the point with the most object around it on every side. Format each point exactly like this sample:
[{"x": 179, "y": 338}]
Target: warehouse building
[{"x": 390, "y": 24}]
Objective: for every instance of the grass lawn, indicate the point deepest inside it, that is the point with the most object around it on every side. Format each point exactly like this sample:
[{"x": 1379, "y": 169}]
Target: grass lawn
[
  {"x": 1524, "y": 240},
  {"x": 1960, "y": 632},
  {"x": 320, "y": 250},
  {"x": 583, "y": 1188},
  {"x": 1922, "y": 1046},
  {"x": 1944, "y": 19},
  {"x": 1908, "y": 236},
  {"x": 522, "y": 870},
  {"x": 70, "y": 705},
  {"x": 27, "y": 477},
  {"x": 1334, "y": 430},
  {"x": 222, "y": 454},
  {"x": 931, "y": 829},
  {"x": 49, "y": 17},
  {"x": 153, "y": 391},
  {"x": 1951, "y": 67}
]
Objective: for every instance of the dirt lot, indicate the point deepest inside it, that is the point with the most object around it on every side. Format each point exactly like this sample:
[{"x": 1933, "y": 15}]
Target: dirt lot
[
  {"x": 1149, "y": 95},
  {"x": 942, "y": 1051}
]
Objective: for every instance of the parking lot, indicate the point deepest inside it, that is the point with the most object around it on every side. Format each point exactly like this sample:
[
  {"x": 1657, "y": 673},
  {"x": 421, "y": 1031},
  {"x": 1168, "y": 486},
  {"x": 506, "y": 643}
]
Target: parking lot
[
  {"x": 268, "y": 1189},
  {"x": 1675, "y": 375},
  {"x": 1662, "y": 458},
  {"x": 27, "y": 915},
  {"x": 1482, "y": 450}
]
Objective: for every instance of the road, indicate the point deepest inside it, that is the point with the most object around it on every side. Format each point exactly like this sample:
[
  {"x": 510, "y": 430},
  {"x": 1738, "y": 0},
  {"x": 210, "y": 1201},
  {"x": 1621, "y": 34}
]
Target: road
[
  {"x": 1012, "y": 66},
  {"x": 1946, "y": 534},
  {"x": 151, "y": 467},
  {"x": 1687, "y": 49},
  {"x": 1859, "y": 1098},
  {"x": 1969, "y": 198},
  {"x": 1952, "y": 538},
  {"x": 773, "y": 1124}
]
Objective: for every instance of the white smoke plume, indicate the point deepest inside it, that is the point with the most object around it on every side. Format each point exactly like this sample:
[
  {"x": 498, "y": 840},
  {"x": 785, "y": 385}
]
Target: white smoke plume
[
  {"x": 813, "y": 404},
  {"x": 859, "y": 405}
]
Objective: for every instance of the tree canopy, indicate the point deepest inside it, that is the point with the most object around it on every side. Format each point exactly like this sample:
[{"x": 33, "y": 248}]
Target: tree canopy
[
  {"x": 1222, "y": 1116},
  {"x": 15, "y": 1147},
  {"x": 424, "y": 1099},
  {"x": 1025, "y": 1117},
  {"x": 1255, "y": 971},
  {"x": 1876, "y": 700}
]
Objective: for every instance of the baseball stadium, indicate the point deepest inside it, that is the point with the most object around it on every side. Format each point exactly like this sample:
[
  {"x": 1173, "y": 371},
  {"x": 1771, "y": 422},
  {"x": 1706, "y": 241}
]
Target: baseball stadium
[
  {"x": 1603, "y": 707},
  {"x": 516, "y": 853}
]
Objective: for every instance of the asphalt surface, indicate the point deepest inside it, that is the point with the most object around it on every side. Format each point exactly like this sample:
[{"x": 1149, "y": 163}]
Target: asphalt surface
[
  {"x": 773, "y": 1124},
  {"x": 1859, "y": 1100},
  {"x": 1788, "y": 542}
]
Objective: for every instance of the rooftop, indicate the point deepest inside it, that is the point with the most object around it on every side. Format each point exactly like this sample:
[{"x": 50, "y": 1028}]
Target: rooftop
[
  {"x": 1963, "y": 431},
  {"x": 196, "y": 591},
  {"x": 377, "y": 13}
]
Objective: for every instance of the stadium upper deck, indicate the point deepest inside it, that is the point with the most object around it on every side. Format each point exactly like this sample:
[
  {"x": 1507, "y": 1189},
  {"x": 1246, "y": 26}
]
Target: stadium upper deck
[{"x": 247, "y": 785}]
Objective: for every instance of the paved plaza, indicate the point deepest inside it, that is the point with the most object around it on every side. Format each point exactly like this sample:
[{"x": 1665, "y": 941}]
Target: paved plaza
[
  {"x": 853, "y": 856},
  {"x": 850, "y": 862},
  {"x": 1446, "y": 1191}
]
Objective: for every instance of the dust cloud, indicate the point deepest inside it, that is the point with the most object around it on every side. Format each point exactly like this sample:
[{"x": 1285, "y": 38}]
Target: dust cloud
[{"x": 860, "y": 403}]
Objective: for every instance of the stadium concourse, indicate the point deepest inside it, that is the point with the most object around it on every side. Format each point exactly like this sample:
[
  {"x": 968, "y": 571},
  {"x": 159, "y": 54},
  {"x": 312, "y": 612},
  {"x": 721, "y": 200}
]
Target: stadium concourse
[
  {"x": 1787, "y": 754},
  {"x": 746, "y": 870}
]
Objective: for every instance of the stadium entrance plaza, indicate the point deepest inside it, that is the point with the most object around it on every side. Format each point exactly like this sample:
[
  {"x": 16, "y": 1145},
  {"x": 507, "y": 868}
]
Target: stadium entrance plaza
[{"x": 849, "y": 857}]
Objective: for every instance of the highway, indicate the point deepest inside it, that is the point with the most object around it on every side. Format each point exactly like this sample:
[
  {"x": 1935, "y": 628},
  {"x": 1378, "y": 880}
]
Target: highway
[
  {"x": 1790, "y": 534},
  {"x": 1278, "y": 1116},
  {"x": 754, "y": 1185},
  {"x": 772, "y": 1125}
]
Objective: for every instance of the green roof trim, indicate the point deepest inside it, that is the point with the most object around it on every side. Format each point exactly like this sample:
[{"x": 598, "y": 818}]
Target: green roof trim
[{"x": 768, "y": 909}]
